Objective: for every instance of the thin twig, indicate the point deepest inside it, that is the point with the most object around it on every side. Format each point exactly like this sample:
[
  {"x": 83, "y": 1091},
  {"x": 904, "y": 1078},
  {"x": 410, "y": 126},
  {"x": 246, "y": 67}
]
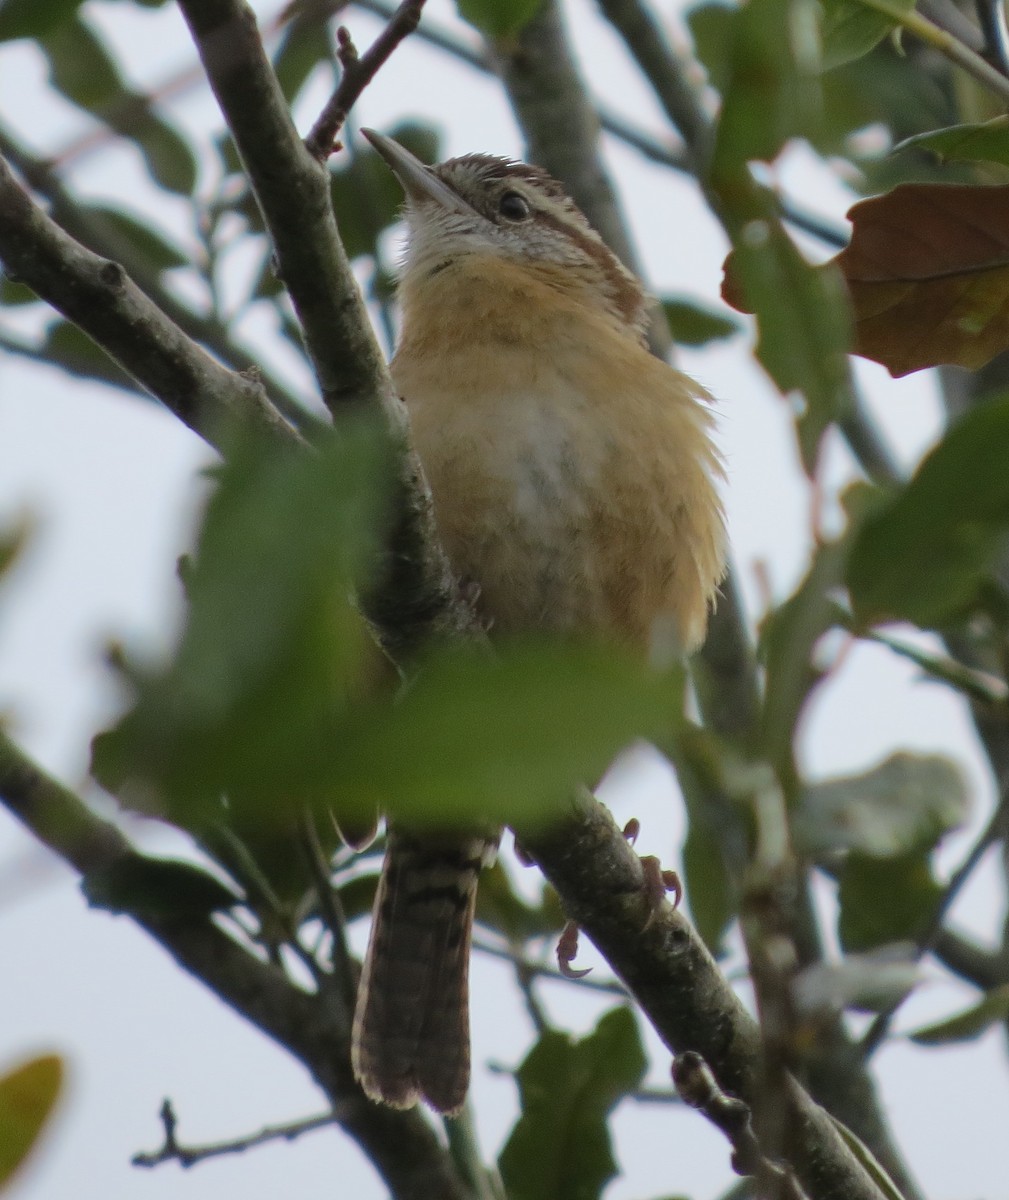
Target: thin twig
[
  {"x": 358, "y": 72},
  {"x": 943, "y": 41},
  {"x": 991, "y": 17},
  {"x": 993, "y": 832},
  {"x": 345, "y": 970},
  {"x": 187, "y": 1156}
]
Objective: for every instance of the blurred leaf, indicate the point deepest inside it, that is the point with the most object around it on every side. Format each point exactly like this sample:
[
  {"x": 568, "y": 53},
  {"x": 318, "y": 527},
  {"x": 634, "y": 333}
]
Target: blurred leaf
[
  {"x": 787, "y": 641},
  {"x": 851, "y": 29},
  {"x": 876, "y": 1172},
  {"x": 925, "y": 554},
  {"x": 927, "y": 269},
  {"x": 357, "y": 895},
  {"x": 773, "y": 90},
  {"x": 169, "y": 157},
  {"x": 13, "y": 292},
  {"x": 986, "y": 140},
  {"x": 802, "y": 321},
  {"x": 146, "y": 244},
  {"x": 694, "y": 323},
  {"x": 13, "y": 539},
  {"x": 69, "y": 348},
  {"x": 273, "y": 648},
  {"x": 560, "y": 1147},
  {"x": 711, "y": 28},
  {"x": 870, "y": 982},
  {"x": 885, "y": 900},
  {"x": 27, "y": 1096},
  {"x": 503, "y": 738},
  {"x": 772, "y": 95},
  {"x": 81, "y": 68},
  {"x": 968, "y": 1025},
  {"x": 304, "y": 45},
  {"x": 703, "y": 765},
  {"x": 499, "y": 907},
  {"x": 904, "y": 805},
  {"x": 34, "y": 18},
  {"x": 890, "y": 91},
  {"x": 366, "y": 195},
  {"x": 709, "y": 891},
  {"x": 498, "y": 18},
  {"x": 152, "y": 887}
]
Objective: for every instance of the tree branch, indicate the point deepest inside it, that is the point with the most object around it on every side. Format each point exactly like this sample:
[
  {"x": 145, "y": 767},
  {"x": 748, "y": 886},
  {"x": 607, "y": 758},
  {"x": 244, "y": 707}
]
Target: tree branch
[
  {"x": 402, "y": 1145},
  {"x": 292, "y": 188},
  {"x": 419, "y": 596},
  {"x": 98, "y": 296},
  {"x": 678, "y": 985},
  {"x": 91, "y": 230}
]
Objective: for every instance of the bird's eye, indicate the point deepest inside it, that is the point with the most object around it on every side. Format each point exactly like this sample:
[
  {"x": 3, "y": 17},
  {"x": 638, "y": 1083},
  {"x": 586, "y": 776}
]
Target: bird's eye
[{"x": 514, "y": 207}]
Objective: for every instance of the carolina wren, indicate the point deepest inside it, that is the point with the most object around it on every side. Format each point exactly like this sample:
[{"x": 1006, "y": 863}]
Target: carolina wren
[{"x": 573, "y": 480}]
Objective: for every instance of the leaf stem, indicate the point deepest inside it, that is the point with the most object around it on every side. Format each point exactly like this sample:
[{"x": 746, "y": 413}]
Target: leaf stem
[{"x": 945, "y": 43}]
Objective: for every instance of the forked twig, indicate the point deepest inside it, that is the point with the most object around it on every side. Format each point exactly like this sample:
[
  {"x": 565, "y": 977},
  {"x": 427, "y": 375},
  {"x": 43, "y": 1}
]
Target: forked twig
[
  {"x": 187, "y": 1156},
  {"x": 358, "y": 72}
]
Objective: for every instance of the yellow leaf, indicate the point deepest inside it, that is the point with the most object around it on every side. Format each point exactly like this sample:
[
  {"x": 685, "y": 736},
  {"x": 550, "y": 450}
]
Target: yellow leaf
[{"x": 27, "y": 1096}]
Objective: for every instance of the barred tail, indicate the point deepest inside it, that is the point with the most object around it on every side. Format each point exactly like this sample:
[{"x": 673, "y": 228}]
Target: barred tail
[{"x": 411, "y": 1025}]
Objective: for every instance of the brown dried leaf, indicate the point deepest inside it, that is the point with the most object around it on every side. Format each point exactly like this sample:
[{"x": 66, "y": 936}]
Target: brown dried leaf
[
  {"x": 927, "y": 269},
  {"x": 928, "y": 272}
]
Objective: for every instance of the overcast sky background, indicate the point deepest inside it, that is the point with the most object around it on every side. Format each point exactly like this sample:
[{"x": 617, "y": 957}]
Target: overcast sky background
[{"x": 113, "y": 482}]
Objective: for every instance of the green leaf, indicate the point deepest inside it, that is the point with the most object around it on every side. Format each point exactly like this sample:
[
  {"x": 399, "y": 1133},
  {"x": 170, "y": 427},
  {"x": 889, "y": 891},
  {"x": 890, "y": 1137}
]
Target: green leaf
[
  {"x": 803, "y": 324},
  {"x": 13, "y": 292},
  {"x": 773, "y": 92},
  {"x": 34, "y": 18},
  {"x": 903, "y": 805},
  {"x": 708, "y": 888},
  {"x": 987, "y": 141},
  {"x": 885, "y": 900},
  {"x": 151, "y": 887},
  {"x": 968, "y": 1025},
  {"x": 498, "y": 18},
  {"x": 852, "y": 28},
  {"x": 81, "y": 68},
  {"x": 144, "y": 243},
  {"x": 13, "y": 540},
  {"x": 560, "y": 1147},
  {"x": 69, "y": 348},
  {"x": 703, "y": 769},
  {"x": 504, "y": 737},
  {"x": 694, "y": 323},
  {"x": 712, "y": 31},
  {"x": 499, "y": 907},
  {"x": 27, "y": 1096},
  {"x": 357, "y": 895},
  {"x": 786, "y": 647},
  {"x": 304, "y": 45},
  {"x": 926, "y": 555},
  {"x": 273, "y": 649}
]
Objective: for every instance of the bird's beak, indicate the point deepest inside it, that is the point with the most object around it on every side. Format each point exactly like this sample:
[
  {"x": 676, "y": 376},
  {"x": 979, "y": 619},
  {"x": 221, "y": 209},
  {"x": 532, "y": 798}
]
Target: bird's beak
[{"x": 418, "y": 181}]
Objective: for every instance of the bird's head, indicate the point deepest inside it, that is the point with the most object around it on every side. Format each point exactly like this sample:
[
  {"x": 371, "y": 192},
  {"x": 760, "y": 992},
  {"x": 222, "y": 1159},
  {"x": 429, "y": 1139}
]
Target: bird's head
[{"x": 481, "y": 205}]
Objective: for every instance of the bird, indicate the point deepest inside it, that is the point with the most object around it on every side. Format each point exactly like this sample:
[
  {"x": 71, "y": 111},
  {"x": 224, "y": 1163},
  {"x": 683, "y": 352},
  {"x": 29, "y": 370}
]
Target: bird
[{"x": 575, "y": 488}]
